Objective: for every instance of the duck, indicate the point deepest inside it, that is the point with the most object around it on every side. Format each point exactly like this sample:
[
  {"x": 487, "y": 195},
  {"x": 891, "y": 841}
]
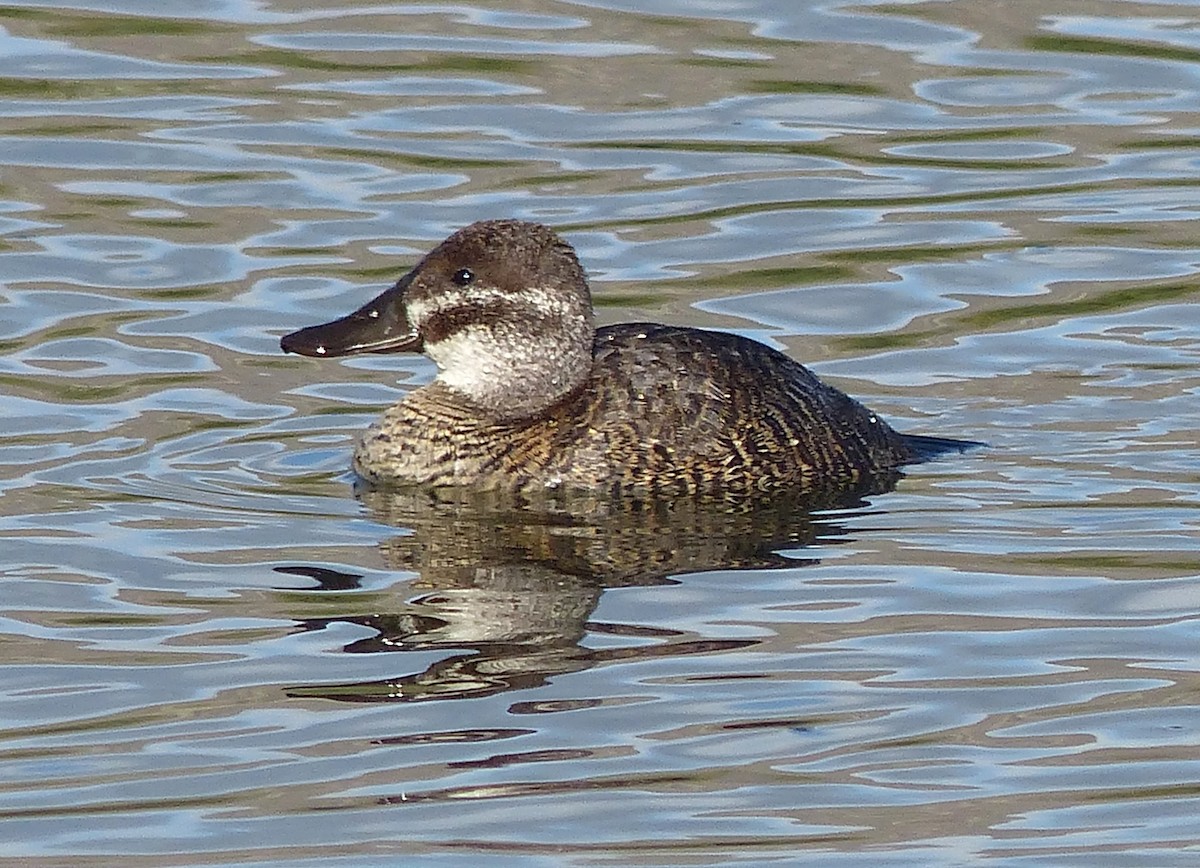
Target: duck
[{"x": 531, "y": 396}]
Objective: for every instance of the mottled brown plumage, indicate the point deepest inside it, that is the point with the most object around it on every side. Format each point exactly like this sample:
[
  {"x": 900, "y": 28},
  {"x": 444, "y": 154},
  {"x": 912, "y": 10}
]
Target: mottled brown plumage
[{"x": 531, "y": 397}]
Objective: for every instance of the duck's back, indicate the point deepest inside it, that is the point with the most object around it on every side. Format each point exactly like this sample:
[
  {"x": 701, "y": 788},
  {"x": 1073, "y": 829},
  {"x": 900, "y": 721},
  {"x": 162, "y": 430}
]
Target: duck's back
[{"x": 680, "y": 408}]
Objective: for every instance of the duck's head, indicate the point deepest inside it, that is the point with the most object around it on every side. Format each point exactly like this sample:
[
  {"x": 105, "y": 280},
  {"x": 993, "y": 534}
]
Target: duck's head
[{"x": 502, "y": 307}]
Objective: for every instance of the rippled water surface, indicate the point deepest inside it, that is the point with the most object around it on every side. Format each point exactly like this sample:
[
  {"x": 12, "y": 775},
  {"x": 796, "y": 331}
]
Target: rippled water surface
[{"x": 979, "y": 217}]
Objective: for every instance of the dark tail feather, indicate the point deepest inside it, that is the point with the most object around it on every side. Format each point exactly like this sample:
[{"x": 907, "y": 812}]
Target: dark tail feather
[{"x": 931, "y": 447}]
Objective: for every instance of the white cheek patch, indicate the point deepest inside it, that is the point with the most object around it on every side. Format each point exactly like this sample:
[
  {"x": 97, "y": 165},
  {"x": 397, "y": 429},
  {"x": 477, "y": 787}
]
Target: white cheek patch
[
  {"x": 468, "y": 361},
  {"x": 488, "y": 359}
]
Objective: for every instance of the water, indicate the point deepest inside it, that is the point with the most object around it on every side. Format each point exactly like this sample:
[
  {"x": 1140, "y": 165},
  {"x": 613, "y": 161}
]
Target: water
[{"x": 979, "y": 218}]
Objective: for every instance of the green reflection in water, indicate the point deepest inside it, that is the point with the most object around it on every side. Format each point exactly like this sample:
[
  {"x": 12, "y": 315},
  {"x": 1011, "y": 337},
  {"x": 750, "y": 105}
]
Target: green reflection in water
[
  {"x": 25, "y": 14},
  {"x": 55, "y": 89},
  {"x": 724, "y": 62},
  {"x": 77, "y": 129},
  {"x": 1102, "y": 563},
  {"x": 267, "y": 362},
  {"x": 66, "y": 619},
  {"x": 629, "y": 299},
  {"x": 1171, "y": 143},
  {"x": 128, "y": 25},
  {"x": 945, "y": 136},
  {"x": 419, "y": 160},
  {"x": 115, "y": 201},
  {"x": 560, "y": 178},
  {"x": 442, "y": 63},
  {"x": 920, "y": 253},
  {"x": 66, "y": 332},
  {"x": 287, "y": 252},
  {"x": 182, "y": 294},
  {"x": 357, "y": 410},
  {"x": 223, "y": 177},
  {"x": 92, "y": 391},
  {"x": 171, "y": 223},
  {"x": 893, "y": 341},
  {"x": 773, "y": 85},
  {"x": 1107, "y": 230},
  {"x": 1117, "y": 299},
  {"x": 376, "y": 272},
  {"x": 1091, "y": 45},
  {"x": 774, "y": 278}
]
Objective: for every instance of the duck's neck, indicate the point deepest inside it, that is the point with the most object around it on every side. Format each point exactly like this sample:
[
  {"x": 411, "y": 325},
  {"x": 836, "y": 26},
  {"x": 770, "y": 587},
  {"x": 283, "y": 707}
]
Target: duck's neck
[{"x": 510, "y": 374}]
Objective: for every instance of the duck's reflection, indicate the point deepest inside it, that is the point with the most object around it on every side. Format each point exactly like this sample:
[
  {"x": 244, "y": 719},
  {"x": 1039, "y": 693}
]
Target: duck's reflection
[{"x": 505, "y": 588}]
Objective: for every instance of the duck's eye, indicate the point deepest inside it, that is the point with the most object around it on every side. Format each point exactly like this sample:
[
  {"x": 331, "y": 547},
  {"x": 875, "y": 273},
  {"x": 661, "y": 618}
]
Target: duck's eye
[{"x": 464, "y": 277}]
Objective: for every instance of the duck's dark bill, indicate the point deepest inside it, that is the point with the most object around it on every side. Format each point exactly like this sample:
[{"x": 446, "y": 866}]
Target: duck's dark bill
[{"x": 379, "y": 326}]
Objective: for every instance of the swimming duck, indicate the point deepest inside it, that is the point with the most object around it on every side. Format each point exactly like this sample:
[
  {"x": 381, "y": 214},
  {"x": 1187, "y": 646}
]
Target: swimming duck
[{"x": 531, "y": 395}]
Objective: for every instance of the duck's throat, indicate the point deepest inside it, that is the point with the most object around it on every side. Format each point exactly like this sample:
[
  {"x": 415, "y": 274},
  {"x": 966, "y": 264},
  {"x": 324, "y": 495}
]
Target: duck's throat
[{"x": 511, "y": 376}]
